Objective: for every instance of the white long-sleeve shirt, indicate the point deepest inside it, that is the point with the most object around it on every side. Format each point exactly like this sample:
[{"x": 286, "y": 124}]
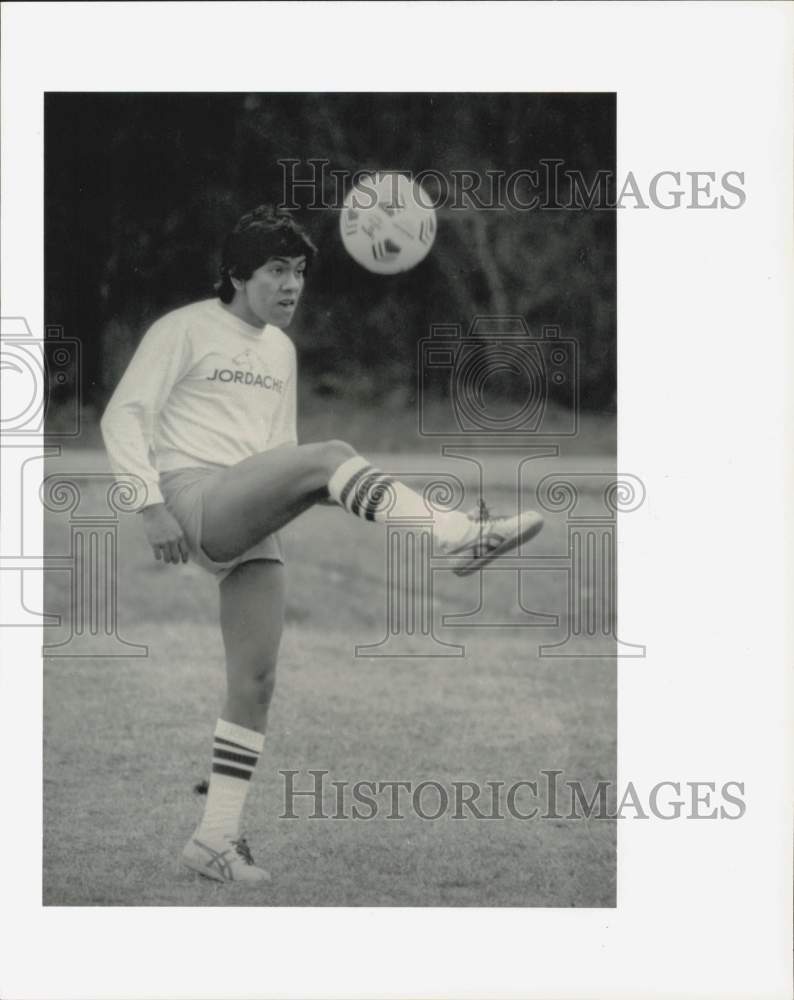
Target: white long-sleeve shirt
[{"x": 204, "y": 388}]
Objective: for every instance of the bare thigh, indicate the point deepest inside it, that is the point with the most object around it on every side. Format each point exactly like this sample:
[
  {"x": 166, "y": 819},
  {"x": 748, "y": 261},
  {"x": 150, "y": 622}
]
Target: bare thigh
[{"x": 263, "y": 493}]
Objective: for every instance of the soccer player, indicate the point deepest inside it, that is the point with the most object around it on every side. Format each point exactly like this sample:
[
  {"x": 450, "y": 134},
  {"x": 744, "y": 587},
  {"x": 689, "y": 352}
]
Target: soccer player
[{"x": 205, "y": 417}]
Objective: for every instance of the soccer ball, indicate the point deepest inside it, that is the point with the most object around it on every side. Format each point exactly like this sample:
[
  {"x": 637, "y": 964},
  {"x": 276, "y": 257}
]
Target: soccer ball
[{"x": 387, "y": 223}]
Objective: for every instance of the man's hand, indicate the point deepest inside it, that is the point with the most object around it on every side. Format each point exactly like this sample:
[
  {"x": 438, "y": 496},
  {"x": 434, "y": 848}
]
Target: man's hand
[{"x": 164, "y": 534}]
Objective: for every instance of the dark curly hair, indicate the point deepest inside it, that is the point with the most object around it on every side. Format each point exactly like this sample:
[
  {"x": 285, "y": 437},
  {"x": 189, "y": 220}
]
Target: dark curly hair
[{"x": 263, "y": 233}]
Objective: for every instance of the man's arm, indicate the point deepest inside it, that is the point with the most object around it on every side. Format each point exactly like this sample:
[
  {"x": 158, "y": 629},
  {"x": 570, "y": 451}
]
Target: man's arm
[{"x": 128, "y": 429}]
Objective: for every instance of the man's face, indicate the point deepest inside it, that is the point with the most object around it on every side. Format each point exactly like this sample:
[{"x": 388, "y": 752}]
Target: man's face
[{"x": 271, "y": 293}]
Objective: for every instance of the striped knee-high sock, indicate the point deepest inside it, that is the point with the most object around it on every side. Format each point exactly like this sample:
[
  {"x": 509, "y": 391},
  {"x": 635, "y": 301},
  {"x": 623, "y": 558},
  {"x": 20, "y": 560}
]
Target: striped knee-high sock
[
  {"x": 369, "y": 493},
  {"x": 235, "y": 752}
]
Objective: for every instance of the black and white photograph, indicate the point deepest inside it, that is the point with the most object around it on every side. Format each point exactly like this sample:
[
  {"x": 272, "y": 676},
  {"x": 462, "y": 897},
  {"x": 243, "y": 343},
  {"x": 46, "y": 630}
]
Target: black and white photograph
[
  {"x": 385, "y": 556},
  {"x": 295, "y": 333}
]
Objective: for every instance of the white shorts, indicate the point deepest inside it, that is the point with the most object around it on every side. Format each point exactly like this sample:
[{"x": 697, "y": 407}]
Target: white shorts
[{"x": 183, "y": 492}]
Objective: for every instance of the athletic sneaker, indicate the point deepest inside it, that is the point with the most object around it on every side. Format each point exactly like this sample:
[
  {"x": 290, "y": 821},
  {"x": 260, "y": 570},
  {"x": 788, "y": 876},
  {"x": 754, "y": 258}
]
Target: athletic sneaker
[
  {"x": 491, "y": 537},
  {"x": 224, "y": 860}
]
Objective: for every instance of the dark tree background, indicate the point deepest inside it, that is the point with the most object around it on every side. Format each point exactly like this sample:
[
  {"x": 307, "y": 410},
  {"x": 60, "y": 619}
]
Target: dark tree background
[{"x": 140, "y": 190}]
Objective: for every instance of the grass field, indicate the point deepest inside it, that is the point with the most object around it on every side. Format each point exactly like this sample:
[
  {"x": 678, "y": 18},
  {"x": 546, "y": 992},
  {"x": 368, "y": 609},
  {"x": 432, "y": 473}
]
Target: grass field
[
  {"x": 127, "y": 739},
  {"x": 385, "y": 423}
]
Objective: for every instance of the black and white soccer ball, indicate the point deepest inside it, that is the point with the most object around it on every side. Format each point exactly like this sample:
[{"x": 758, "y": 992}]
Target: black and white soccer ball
[{"x": 388, "y": 223}]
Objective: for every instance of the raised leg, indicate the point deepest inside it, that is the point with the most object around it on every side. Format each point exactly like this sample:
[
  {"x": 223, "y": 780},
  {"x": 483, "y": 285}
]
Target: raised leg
[{"x": 263, "y": 493}]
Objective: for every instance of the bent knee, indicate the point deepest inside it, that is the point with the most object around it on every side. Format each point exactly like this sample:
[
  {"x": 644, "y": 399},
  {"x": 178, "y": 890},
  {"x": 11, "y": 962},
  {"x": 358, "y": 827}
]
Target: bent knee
[
  {"x": 339, "y": 451},
  {"x": 327, "y": 456}
]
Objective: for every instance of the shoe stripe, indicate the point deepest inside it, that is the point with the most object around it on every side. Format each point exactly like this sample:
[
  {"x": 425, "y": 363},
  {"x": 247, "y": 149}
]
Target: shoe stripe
[
  {"x": 494, "y": 545},
  {"x": 231, "y": 772},
  {"x": 235, "y": 758},
  {"x": 216, "y": 859},
  {"x": 491, "y": 542}
]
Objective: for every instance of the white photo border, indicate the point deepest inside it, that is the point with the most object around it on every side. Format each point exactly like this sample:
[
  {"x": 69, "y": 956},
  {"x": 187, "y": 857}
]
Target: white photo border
[{"x": 704, "y": 308}]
